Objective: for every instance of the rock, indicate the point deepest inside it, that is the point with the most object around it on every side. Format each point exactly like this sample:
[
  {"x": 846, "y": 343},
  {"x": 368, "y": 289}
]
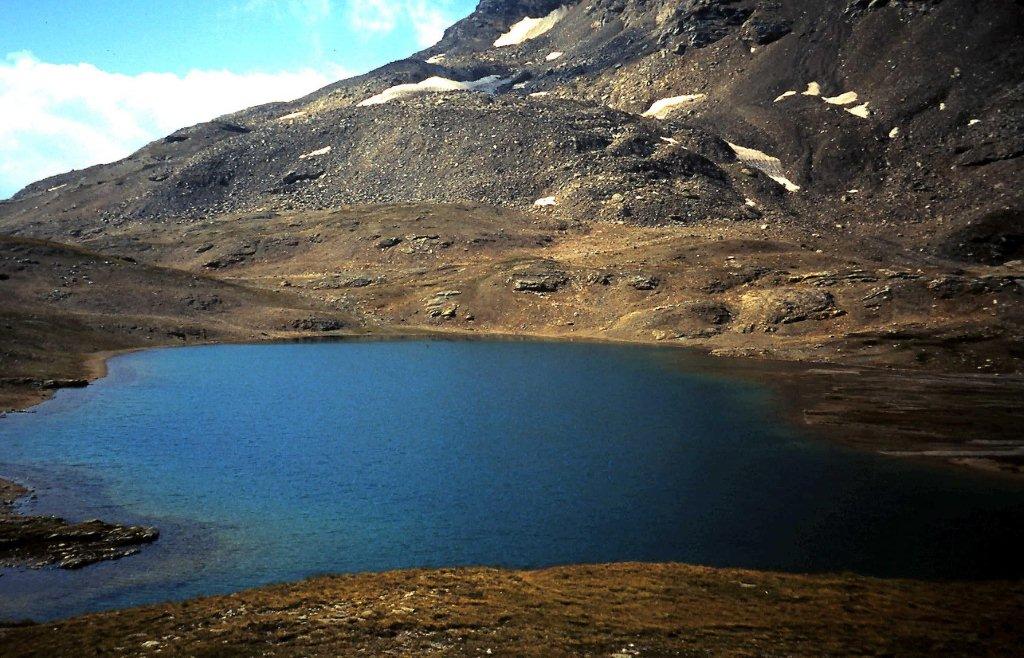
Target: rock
[
  {"x": 298, "y": 176},
  {"x": 63, "y": 383},
  {"x": 314, "y": 323},
  {"x": 445, "y": 312},
  {"x": 239, "y": 255},
  {"x": 38, "y": 541},
  {"x": 875, "y": 297},
  {"x": 951, "y": 285},
  {"x": 387, "y": 243},
  {"x": 764, "y": 31},
  {"x": 712, "y": 313},
  {"x": 782, "y": 306},
  {"x": 798, "y": 306},
  {"x": 539, "y": 282},
  {"x": 642, "y": 282}
]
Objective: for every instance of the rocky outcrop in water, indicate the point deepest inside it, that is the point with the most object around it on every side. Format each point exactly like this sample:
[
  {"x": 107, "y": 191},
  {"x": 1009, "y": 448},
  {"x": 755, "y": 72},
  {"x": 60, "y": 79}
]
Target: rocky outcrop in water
[{"x": 40, "y": 541}]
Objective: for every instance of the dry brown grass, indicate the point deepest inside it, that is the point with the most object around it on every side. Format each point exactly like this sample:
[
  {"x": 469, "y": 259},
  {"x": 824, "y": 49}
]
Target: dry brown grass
[{"x": 623, "y": 609}]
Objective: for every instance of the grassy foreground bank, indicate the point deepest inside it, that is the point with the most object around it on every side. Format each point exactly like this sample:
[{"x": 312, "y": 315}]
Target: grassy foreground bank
[{"x": 612, "y": 610}]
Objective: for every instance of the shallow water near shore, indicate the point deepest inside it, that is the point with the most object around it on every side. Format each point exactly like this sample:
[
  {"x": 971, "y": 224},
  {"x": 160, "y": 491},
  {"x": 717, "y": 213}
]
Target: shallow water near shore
[{"x": 269, "y": 463}]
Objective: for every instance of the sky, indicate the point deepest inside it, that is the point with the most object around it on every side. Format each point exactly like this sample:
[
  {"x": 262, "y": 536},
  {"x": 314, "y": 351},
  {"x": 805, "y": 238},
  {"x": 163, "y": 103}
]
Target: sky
[{"x": 90, "y": 81}]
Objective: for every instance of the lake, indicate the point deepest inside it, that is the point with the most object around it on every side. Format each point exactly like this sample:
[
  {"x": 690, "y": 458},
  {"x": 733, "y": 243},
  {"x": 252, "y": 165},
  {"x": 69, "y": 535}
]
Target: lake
[{"x": 268, "y": 463}]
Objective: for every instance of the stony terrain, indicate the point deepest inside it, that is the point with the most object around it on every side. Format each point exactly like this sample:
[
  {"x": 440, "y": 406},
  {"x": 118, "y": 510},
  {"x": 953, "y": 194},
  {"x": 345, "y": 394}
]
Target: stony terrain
[
  {"x": 62, "y": 308},
  {"x": 835, "y": 183}
]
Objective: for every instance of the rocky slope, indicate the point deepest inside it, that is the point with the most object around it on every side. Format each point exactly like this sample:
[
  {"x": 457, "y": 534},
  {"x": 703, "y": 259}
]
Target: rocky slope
[{"x": 894, "y": 113}]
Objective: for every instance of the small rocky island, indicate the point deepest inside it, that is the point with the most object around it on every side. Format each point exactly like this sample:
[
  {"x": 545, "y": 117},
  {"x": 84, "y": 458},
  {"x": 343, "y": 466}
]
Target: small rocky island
[{"x": 41, "y": 541}]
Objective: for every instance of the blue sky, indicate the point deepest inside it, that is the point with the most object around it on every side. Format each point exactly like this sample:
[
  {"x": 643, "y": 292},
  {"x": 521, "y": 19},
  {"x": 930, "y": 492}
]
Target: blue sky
[{"x": 87, "y": 81}]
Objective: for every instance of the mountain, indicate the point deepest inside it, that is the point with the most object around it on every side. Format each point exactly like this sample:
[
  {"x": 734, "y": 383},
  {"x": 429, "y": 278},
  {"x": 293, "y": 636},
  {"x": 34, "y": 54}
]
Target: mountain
[
  {"x": 917, "y": 105},
  {"x": 805, "y": 179}
]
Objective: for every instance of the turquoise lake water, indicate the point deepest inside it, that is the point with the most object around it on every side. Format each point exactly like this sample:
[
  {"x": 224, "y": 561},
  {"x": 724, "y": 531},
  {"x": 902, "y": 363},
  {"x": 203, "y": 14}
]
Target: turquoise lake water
[{"x": 269, "y": 463}]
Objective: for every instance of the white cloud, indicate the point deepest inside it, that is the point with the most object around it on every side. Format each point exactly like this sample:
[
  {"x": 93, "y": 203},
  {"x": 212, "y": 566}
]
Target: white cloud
[
  {"x": 374, "y": 15},
  {"x": 427, "y": 18},
  {"x": 58, "y": 117}
]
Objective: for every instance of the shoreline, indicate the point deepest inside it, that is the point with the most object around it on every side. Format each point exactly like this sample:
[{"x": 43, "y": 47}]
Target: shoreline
[
  {"x": 380, "y": 618},
  {"x": 792, "y": 386},
  {"x": 796, "y": 388},
  {"x": 796, "y": 383}
]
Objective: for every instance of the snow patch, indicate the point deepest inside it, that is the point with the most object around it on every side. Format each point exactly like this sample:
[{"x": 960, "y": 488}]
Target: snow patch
[
  {"x": 553, "y": 56},
  {"x": 436, "y": 59},
  {"x": 846, "y": 98},
  {"x": 861, "y": 111},
  {"x": 530, "y": 28},
  {"x": 313, "y": 154},
  {"x": 540, "y": 94},
  {"x": 894, "y": 132},
  {"x": 771, "y": 166},
  {"x": 293, "y": 115},
  {"x": 664, "y": 107},
  {"x": 842, "y": 99},
  {"x": 435, "y": 85},
  {"x": 545, "y": 201},
  {"x": 670, "y": 140},
  {"x": 973, "y": 122},
  {"x": 54, "y": 189}
]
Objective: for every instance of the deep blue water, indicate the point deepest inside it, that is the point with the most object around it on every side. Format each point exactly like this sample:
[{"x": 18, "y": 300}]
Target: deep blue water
[{"x": 267, "y": 463}]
